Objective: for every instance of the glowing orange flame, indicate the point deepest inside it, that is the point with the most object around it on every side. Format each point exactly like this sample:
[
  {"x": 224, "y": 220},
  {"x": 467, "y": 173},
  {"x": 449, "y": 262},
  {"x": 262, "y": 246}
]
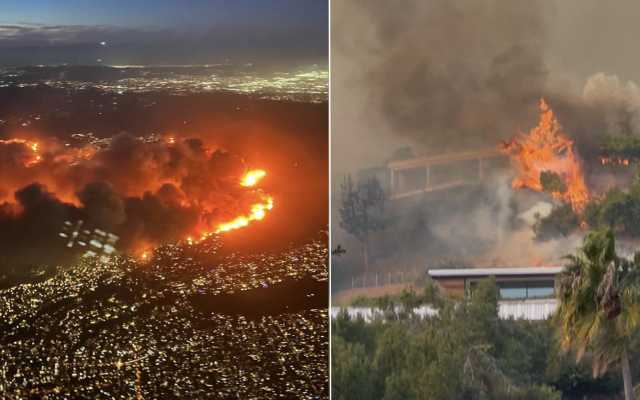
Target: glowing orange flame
[
  {"x": 33, "y": 146},
  {"x": 615, "y": 161},
  {"x": 547, "y": 148},
  {"x": 252, "y": 177},
  {"x": 258, "y": 212}
]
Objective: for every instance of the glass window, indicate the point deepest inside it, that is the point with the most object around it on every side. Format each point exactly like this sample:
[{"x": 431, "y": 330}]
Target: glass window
[
  {"x": 540, "y": 290},
  {"x": 513, "y": 290}
]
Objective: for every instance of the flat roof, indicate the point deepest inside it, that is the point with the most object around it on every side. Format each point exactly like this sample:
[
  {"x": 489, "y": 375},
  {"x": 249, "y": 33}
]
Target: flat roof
[{"x": 510, "y": 271}]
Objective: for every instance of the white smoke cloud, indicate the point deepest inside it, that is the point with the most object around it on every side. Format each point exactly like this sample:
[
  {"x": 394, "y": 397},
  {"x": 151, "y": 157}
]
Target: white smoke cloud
[{"x": 620, "y": 102}]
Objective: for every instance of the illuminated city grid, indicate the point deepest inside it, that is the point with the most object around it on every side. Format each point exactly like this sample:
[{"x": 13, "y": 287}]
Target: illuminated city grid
[
  {"x": 307, "y": 84},
  {"x": 124, "y": 328}
]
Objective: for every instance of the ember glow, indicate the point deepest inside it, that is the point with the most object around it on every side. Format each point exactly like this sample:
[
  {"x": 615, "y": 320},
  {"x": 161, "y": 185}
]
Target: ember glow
[{"x": 546, "y": 148}]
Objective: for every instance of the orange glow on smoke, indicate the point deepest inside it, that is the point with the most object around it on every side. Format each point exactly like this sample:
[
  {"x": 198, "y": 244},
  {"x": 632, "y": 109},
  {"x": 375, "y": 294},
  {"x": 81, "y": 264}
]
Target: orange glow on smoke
[
  {"x": 32, "y": 145},
  {"x": 547, "y": 148},
  {"x": 252, "y": 177},
  {"x": 175, "y": 176}
]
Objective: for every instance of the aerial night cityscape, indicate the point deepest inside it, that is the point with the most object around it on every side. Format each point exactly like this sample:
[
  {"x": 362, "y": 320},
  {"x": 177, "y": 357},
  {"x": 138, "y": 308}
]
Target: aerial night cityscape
[{"x": 164, "y": 200}]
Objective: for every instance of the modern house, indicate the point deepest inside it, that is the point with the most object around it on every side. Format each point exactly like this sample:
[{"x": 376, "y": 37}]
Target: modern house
[{"x": 525, "y": 292}]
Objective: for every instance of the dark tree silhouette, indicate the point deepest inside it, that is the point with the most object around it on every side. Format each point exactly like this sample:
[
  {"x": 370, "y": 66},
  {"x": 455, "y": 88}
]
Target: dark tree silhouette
[{"x": 361, "y": 211}]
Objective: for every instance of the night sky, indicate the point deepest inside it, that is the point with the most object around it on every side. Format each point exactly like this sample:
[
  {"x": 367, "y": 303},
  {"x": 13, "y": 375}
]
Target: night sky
[{"x": 163, "y": 31}]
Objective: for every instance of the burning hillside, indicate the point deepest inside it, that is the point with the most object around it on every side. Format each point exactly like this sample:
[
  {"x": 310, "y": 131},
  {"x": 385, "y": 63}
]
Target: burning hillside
[
  {"x": 545, "y": 160},
  {"x": 146, "y": 191}
]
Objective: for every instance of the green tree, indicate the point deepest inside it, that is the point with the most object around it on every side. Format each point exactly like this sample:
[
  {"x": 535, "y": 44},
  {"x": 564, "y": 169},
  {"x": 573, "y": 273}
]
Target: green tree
[
  {"x": 351, "y": 371},
  {"x": 431, "y": 294},
  {"x": 614, "y": 210},
  {"x": 599, "y": 306},
  {"x": 390, "y": 359},
  {"x": 552, "y": 182},
  {"x": 361, "y": 211},
  {"x": 409, "y": 300},
  {"x": 618, "y": 210},
  {"x": 561, "y": 222}
]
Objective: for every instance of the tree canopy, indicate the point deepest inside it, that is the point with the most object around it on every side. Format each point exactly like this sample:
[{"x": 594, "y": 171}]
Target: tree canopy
[
  {"x": 361, "y": 207},
  {"x": 465, "y": 352}
]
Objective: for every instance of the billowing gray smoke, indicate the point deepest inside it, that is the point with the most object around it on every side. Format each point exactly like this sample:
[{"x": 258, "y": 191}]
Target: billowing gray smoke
[
  {"x": 441, "y": 74},
  {"x": 450, "y": 75}
]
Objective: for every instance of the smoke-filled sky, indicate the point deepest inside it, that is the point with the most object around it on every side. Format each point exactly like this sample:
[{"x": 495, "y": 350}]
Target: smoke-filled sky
[
  {"x": 451, "y": 75},
  {"x": 162, "y": 31},
  {"x": 443, "y": 74}
]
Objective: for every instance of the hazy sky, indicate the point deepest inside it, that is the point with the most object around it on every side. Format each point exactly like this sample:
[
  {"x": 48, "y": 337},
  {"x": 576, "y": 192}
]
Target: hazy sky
[
  {"x": 587, "y": 36},
  {"x": 162, "y": 31}
]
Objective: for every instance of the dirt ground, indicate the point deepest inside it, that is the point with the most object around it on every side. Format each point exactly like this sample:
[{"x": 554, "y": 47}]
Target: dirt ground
[{"x": 346, "y": 297}]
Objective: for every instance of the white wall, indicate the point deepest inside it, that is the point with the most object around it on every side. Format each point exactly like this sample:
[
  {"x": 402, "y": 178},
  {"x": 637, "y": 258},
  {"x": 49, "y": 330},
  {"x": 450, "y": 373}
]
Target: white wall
[{"x": 533, "y": 310}]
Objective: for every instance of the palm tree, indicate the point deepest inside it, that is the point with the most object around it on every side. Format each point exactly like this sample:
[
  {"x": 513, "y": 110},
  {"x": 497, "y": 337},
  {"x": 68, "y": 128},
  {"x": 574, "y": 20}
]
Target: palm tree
[{"x": 599, "y": 307}]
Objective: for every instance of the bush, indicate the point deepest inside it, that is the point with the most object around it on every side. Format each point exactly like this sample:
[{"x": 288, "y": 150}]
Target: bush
[{"x": 561, "y": 222}]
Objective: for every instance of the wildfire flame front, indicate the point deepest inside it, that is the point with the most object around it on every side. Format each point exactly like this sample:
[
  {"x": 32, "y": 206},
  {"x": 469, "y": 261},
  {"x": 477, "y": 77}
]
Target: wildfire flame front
[{"x": 546, "y": 148}]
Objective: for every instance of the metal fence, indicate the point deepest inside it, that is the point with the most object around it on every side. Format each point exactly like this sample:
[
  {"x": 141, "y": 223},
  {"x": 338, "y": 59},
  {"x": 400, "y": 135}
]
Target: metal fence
[{"x": 377, "y": 279}]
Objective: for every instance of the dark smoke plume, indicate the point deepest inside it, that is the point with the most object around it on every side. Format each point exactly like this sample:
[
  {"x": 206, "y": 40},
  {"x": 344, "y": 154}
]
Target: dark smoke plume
[
  {"x": 441, "y": 74},
  {"x": 446, "y": 75}
]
